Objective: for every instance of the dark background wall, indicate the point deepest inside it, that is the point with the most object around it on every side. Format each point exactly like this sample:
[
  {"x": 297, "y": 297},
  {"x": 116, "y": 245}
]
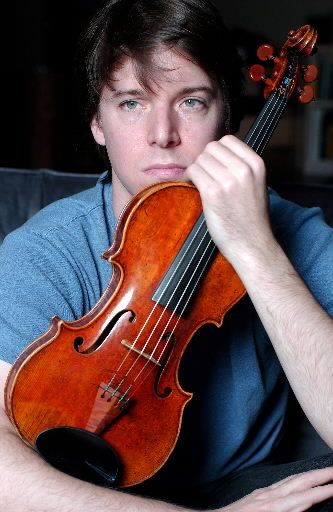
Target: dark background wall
[
  {"x": 275, "y": 18},
  {"x": 41, "y": 117}
]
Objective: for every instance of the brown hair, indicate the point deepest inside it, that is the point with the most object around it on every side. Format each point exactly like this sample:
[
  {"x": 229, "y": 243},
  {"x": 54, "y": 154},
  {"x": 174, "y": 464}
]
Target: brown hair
[{"x": 135, "y": 28}]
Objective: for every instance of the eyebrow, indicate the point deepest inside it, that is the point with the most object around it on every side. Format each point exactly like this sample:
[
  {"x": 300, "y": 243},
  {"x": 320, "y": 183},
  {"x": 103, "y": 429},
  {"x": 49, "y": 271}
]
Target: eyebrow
[
  {"x": 200, "y": 88},
  {"x": 126, "y": 92},
  {"x": 185, "y": 90}
]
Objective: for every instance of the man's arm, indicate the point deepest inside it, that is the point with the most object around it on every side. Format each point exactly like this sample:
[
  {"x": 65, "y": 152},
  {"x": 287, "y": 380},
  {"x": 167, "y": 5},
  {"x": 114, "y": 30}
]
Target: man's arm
[
  {"x": 299, "y": 329},
  {"x": 232, "y": 184}
]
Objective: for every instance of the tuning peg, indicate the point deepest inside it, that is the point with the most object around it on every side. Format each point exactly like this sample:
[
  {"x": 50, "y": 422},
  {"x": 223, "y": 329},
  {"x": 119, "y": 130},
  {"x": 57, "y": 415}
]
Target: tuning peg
[
  {"x": 306, "y": 94},
  {"x": 265, "y": 52},
  {"x": 257, "y": 73},
  {"x": 310, "y": 73}
]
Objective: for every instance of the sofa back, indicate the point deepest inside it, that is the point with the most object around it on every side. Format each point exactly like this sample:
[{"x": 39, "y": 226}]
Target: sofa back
[{"x": 23, "y": 192}]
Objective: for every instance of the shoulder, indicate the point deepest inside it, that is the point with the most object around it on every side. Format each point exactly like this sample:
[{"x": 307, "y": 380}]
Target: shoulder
[
  {"x": 308, "y": 242},
  {"x": 293, "y": 224},
  {"x": 82, "y": 208},
  {"x": 285, "y": 212},
  {"x": 62, "y": 245},
  {"x": 84, "y": 218}
]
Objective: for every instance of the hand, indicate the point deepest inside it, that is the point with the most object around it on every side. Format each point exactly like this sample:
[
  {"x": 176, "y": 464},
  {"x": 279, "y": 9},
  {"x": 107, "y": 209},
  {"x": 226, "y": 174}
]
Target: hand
[
  {"x": 4, "y": 370},
  {"x": 231, "y": 179},
  {"x": 293, "y": 494}
]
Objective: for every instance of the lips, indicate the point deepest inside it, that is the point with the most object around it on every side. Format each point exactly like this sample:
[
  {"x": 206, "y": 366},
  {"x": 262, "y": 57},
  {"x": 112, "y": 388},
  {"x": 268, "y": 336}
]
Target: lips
[{"x": 165, "y": 171}]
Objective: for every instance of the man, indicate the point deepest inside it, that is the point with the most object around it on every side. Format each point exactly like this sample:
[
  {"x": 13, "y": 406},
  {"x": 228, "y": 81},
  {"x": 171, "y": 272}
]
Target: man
[{"x": 162, "y": 85}]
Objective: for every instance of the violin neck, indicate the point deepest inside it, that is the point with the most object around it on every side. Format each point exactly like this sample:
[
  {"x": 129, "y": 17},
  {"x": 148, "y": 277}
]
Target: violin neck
[{"x": 263, "y": 127}]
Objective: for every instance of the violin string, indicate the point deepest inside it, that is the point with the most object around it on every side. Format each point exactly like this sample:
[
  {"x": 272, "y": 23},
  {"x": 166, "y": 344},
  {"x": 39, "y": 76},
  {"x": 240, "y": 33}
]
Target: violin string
[
  {"x": 271, "y": 105},
  {"x": 262, "y": 115},
  {"x": 254, "y": 131},
  {"x": 156, "y": 305},
  {"x": 193, "y": 289},
  {"x": 273, "y": 117},
  {"x": 277, "y": 117},
  {"x": 182, "y": 295},
  {"x": 179, "y": 283},
  {"x": 210, "y": 243}
]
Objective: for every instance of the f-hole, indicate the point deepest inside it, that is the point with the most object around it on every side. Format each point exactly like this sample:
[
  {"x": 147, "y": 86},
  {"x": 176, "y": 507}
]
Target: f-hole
[{"x": 79, "y": 342}]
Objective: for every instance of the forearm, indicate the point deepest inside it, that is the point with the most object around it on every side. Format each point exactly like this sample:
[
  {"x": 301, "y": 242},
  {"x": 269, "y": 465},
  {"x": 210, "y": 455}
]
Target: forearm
[
  {"x": 28, "y": 484},
  {"x": 299, "y": 329}
]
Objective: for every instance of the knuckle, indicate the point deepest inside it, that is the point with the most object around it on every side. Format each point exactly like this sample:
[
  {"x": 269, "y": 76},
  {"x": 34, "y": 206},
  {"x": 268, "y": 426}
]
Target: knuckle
[
  {"x": 264, "y": 494},
  {"x": 213, "y": 194},
  {"x": 244, "y": 170},
  {"x": 212, "y": 146},
  {"x": 201, "y": 158},
  {"x": 258, "y": 163},
  {"x": 228, "y": 138},
  {"x": 192, "y": 168},
  {"x": 258, "y": 159}
]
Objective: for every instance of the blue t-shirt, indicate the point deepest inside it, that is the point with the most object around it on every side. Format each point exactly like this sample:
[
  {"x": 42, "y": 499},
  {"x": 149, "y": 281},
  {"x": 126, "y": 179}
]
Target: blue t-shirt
[{"x": 52, "y": 266}]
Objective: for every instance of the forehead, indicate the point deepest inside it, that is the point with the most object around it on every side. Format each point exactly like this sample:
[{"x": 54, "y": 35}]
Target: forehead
[{"x": 166, "y": 68}]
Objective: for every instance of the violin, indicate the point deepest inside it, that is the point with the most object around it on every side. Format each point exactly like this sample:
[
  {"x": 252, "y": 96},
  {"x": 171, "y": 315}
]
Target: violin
[{"x": 99, "y": 397}]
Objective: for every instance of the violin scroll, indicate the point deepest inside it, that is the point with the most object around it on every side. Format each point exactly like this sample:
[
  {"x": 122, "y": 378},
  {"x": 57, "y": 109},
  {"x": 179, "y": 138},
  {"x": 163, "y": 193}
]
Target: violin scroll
[{"x": 287, "y": 68}]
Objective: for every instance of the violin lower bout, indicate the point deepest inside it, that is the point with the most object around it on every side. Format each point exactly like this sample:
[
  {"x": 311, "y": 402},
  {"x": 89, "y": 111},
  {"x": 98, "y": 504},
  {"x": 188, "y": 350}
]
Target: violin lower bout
[{"x": 142, "y": 432}]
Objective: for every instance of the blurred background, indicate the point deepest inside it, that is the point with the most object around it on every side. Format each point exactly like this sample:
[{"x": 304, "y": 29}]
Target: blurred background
[{"x": 41, "y": 118}]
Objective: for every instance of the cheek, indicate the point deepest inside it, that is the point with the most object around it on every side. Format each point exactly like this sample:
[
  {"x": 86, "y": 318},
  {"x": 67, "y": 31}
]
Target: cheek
[
  {"x": 124, "y": 151},
  {"x": 200, "y": 137},
  {"x": 115, "y": 141},
  {"x": 215, "y": 131},
  {"x": 209, "y": 127},
  {"x": 122, "y": 137}
]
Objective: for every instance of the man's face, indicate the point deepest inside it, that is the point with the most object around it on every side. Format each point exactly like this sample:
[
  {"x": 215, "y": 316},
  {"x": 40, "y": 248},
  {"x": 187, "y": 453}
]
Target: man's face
[{"x": 153, "y": 136}]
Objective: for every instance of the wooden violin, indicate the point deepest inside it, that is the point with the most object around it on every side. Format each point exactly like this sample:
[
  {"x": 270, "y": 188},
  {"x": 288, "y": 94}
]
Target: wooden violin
[{"x": 99, "y": 397}]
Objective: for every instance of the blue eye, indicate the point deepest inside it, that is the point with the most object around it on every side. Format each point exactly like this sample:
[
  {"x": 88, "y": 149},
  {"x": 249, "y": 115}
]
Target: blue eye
[
  {"x": 130, "y": 104},
  {"x": 193, "y": 102}
]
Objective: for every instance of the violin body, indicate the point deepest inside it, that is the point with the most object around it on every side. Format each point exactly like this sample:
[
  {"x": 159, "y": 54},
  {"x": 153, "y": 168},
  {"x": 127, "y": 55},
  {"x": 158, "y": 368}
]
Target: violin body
[{"x": 77, "y": 373}]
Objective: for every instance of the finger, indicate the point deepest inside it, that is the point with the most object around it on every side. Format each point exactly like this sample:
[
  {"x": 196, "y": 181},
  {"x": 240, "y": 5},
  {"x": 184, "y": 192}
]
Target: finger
[
  {"x": 244, "y": 152},
  {"x": 239, "y": 147},
  {"x": 4, "y": 370},
  {"x": 199, "y": 177},
  {"x": 305, "y": 480},
  {"x": 267, "y": 500},
  {"x": 236, "y": 165},
  {"x": 300, "y": 501}
]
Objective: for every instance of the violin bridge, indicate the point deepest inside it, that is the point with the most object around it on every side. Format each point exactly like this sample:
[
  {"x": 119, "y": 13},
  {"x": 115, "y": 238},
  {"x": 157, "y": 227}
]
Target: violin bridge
[{"x": 139, "y": 352}]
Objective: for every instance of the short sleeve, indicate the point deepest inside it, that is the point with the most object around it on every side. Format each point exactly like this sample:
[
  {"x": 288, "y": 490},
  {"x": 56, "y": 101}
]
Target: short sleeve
[{"x": 36, "y": 283}]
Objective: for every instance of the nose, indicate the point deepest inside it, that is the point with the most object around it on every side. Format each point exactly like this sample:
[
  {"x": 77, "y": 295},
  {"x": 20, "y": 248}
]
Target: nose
[{"x": 163, "y": 128}]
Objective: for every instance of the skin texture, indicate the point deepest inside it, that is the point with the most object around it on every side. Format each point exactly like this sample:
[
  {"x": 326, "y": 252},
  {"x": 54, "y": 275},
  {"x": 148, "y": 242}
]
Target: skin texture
[{"x": 166, "y": 134}]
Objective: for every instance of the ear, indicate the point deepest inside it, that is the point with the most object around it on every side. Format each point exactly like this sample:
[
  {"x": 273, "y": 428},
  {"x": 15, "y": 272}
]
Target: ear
[{"x": 97, "y": 130}]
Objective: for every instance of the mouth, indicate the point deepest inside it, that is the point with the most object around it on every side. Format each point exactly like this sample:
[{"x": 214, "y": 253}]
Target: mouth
[{"x": 166, "y": 171}]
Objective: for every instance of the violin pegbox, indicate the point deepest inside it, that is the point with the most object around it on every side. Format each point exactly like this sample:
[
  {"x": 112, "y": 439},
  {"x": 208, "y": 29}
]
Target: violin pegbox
[{"x": 284, "y": 71}]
